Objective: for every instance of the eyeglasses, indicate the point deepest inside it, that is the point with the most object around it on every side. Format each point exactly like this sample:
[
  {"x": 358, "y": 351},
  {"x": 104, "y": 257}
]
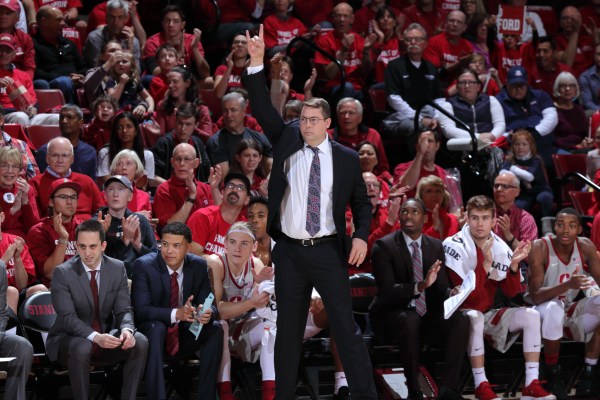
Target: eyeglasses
[
  {"x": 567, "y": 86},
  {"x": 10, "y": 166},
  {"x": 233, "y": 186},
  {"x": 64, "y": 197},
  {"x": 313, "y": 120},
  {"x": 467, "y": 83},
  {"x": 183, "y": 160},
  {"x": 60, "y": 155},
  {"x": 503, "y": 186},
  {"x": 372, "y": 185}
]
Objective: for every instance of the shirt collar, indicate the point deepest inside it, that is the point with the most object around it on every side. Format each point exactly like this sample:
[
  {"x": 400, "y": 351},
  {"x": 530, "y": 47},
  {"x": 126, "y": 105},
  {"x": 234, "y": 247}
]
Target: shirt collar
[
  {"x": 54, "y": 174},
  {"x": 87, "y": 269},
  {"x": 409, "y": 241},
  {"x": 324, "y": 147},
  {"x": 179, "y": 270}
]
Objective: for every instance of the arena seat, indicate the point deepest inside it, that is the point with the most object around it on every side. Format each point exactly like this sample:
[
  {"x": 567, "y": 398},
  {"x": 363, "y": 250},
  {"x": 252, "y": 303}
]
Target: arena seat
[
  {"x": 41, "y": 134},
  {"x": 48, "y": 99},
  {"x": 563, "y": 165}
]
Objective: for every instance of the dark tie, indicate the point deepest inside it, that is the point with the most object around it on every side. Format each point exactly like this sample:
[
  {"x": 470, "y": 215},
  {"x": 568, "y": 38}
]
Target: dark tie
[
  {"x": 313, "y": 206},
  {"x": 173, "y": 332},
  {"x": 418, "y": 275},
  {"x": 94, "y": 287}
]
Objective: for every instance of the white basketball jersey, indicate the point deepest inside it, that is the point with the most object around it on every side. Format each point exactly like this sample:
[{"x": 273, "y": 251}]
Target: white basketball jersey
[
  {"x": 237, "y": 288},
  {"x": 559, "y": 271}
]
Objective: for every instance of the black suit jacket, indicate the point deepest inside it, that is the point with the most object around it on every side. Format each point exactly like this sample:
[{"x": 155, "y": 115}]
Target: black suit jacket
[
  {"x": 286, "y": 139},
  {"x": 151, "y": 287},
  {"x": 393, "y": 271}
]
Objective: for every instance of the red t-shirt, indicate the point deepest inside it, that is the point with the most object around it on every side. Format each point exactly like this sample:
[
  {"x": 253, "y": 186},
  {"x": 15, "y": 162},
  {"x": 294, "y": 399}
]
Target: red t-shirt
[
  {"x": 20, "y": 222},
  {"x": 157, "y": 40},
  {"x": 89, "y": 201},
  {"x": 482, "y": 297},
  {"x": 140, "y": 201},
  {"x": 584, "y": 56},
  {"x": 171, "y": 194},
  {"x": 279, "y": 32},
  {"x": 235, "y": 77},
  {"x": 382, "y": 54},
  {"x": 23, "y": 83},
  {"x": 158, "y": 87},
  {"x": 43, "y": 239},
  {"x": 441, "y": 52},
  {"x": 432, "y": 21},
  {"x": 209, "y": 229},
  {"x": 448, "y": 5},
  {"x": 25, "y": 54},
  {"x": 7, "y": 240},
  {"x": 97, "y": 133},
  {"x": 352, "y": 65},
  {"x": 504, "y": 59},
  {"x": 402, "y": 168}
]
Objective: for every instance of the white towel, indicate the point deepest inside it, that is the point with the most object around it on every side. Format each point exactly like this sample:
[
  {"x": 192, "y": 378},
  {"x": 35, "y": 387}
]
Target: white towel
[
  {"x": 461, "y": 255},
  {"x": 269, "y": 312}
]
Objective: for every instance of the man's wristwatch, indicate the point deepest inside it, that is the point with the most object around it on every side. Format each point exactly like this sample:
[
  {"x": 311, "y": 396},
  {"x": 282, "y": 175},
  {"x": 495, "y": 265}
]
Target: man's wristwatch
[{"x": 189, "y": 199}]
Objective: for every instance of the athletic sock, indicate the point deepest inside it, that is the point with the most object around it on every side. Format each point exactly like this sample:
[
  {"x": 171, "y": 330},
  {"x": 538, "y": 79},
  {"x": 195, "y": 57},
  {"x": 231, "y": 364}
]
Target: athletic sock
[
  {"x": 340, "y": 380},
  {"x": 532, "y": 371},
  {"x": 478, "y": 376}
]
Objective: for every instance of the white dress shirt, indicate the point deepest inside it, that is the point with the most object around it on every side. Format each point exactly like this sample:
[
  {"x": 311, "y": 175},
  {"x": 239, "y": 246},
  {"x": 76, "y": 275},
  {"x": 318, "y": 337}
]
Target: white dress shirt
[
  {"x": 410, "y": 250},
  {"x": 295, "y": 198},
  {"x": 88, "y": 271},
  {"x": 180, "y": 283}
]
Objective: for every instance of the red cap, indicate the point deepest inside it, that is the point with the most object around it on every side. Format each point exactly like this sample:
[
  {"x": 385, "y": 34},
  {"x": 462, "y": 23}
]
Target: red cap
[
  {"x": 12, "y": 5},
  {"x": 6, "y": 39},
  {"x": 64, "y": 183}
]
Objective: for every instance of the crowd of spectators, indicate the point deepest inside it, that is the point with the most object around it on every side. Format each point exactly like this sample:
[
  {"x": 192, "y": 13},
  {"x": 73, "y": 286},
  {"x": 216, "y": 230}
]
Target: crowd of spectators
[{"x": 151, "y": 134}]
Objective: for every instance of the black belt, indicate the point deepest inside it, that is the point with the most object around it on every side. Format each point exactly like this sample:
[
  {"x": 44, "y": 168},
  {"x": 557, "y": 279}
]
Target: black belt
[{"x": 311, "y": 241}]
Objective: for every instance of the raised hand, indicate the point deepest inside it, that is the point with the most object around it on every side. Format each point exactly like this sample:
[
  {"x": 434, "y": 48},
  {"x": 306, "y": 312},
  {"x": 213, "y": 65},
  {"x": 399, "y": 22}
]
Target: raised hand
[
  {"x": 105, "y": 221},
  {"x": 432, "y": 274},
  {"x": 256, "y": 47}
]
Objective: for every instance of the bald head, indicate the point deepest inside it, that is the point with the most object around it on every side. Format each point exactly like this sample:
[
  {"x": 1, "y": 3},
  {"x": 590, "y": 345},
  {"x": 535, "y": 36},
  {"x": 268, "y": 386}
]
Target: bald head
[
  {"x": 343, "y": 17},
  {"x": 59, "y": 155},
  {"x": 184, "y": 161},
  {"x": 184, "y": 148},
  {"x": 570, "y": 19},
  {"x": 456, "y": 23}
]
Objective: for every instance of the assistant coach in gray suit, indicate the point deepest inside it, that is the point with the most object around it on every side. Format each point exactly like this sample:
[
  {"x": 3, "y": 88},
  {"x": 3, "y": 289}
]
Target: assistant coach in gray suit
[
  {"x": 12, "y": 345},
  {"x": 90, "y": 296}
]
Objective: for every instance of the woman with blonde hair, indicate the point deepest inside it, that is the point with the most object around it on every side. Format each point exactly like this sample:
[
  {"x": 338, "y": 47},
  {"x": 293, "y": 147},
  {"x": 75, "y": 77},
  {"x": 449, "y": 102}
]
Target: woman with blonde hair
[{"x": 440, "y": 223}]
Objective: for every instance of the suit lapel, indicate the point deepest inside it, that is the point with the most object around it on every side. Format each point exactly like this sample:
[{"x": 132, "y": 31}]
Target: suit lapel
[
  {"x": 104, "y": 282},
  {"x": 188, "y": 275},
  {"x": 405, "y": 254},
  {"x": 164, "y": 277},
  {"x": 84, "y": 282},
  {"x": 337, "y": 170}
]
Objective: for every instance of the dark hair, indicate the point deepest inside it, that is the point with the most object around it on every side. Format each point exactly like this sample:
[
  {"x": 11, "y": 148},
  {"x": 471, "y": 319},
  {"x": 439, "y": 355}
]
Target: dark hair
[
  {"x": 236, "y": 175},
  {"x": 179, "y": 229},
  {"x": 105, "y": 99},
  {"x": 419, "y": 202},
  {"x": 166, "y": 47},
  {"x": 258, "y": 200},
  {"x": 320, "y": 104},
  {"x": 188, "y": 110},
  {"x": 382, "y": 11},
  {"x": 547, "y": 39},
  {"x": 190, "y": 94},
  {"x": 115, "y": 146},
  {"x": 468, "y": 70},
  {"x": 91, "y": 225},
  {"x": 172, "y": 8},
  {"x": 483, "y": 203},
  {"x": 570, "y": 211},
  {"x": 289, "y": 61},
  {"x": 244, "y": 144},
  {"x": 436, "y": 135},
  {"x": 105, "y": 44}
]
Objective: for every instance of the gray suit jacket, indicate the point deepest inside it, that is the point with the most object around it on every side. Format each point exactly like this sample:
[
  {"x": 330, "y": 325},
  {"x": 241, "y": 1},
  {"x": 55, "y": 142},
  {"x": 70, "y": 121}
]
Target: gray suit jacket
[{"x": 74, "y": 305}]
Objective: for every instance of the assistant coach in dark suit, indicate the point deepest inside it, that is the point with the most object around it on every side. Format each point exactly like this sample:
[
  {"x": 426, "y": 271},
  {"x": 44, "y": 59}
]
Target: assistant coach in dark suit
[
  {"x": 399, "y": 311},
  {"x": 90, "y": 296},
  {"x": 312, "y": 181},
  {"x": 152, "y": 292}
]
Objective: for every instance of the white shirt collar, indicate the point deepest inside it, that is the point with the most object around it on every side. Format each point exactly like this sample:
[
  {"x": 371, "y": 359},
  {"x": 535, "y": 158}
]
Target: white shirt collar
[{"x": 409, "y": 241}]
